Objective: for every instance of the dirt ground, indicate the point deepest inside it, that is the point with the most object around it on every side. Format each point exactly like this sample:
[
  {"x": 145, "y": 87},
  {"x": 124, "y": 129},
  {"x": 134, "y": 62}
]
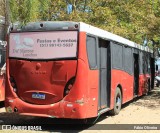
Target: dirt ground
[{"x": 143, "y": 110}]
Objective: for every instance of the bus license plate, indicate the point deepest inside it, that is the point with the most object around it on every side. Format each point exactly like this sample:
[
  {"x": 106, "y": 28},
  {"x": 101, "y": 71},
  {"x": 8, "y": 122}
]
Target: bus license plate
[{"x": 38, "y": 95}]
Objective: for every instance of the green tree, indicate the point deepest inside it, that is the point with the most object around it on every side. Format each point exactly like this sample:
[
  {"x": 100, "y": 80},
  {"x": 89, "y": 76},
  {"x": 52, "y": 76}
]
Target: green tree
[
  {"x": 2, "y": 7},
  {"x": 132, "y": 19},
  {"x": 26, "y": 11}
]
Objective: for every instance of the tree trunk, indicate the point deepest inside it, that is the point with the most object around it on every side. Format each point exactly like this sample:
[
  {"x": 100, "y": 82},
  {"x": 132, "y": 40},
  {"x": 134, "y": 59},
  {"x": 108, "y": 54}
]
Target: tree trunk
[
  {"x": 7, "y": 16},
  {"x": 75, "y": 5}
]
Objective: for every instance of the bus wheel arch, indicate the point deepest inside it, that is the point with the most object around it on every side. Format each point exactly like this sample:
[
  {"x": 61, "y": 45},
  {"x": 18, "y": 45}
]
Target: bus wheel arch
[{"x": 117, "y": 101}]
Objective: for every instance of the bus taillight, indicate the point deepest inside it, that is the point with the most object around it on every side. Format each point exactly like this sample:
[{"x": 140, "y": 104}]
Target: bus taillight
[
  {"x": 68, "y": 86},
  {"x": 13, "y": 84}
]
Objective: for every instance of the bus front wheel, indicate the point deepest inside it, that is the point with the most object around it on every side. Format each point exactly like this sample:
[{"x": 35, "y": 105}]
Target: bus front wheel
[{"x": 117, "y": 102}]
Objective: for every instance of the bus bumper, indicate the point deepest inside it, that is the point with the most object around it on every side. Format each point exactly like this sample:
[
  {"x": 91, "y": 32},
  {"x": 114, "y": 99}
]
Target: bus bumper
[{"x": 62, "y": 109}]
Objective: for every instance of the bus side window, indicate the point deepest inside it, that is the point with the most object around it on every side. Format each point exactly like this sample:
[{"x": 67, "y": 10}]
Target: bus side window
[
  {"x": 92, "y": 52},
  {"x": 127, "y": 62},
  {"x": 149, "y": 67},
  {"x": 117, "y": 56},
  {"x": 144, "y": 67},
  {"x": 141, "y": 62},
  {"x": 145, "y": 63}
]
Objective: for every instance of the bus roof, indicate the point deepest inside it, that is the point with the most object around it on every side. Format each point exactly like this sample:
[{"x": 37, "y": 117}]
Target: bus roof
[
  {"x": 70, "y": 25},
  {"x": 110, "y": 36}
]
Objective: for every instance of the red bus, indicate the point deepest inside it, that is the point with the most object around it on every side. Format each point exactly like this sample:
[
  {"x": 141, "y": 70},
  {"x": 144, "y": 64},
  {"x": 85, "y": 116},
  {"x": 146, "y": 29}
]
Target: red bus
[
  {"x": 73, "y": 70},
  {"x": 2, "y": 58}
]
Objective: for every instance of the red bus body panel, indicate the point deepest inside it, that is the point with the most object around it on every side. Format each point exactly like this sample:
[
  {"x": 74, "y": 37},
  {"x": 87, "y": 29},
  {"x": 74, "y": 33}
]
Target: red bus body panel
[
  {"x": 125, "y": 80},
  {"x": 48, "y": 78},
  {"x": 51, "y": 78},
  {"x": 2, "y": 87}
]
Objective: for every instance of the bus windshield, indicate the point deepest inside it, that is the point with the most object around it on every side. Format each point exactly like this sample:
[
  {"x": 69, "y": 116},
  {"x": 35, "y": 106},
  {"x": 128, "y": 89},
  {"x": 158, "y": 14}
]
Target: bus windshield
[{"x": 43, "y": 45}]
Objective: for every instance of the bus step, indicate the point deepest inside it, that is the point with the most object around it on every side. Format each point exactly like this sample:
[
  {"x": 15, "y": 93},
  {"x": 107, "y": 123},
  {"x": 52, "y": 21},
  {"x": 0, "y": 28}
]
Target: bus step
[{"x": 103, "y": 111}]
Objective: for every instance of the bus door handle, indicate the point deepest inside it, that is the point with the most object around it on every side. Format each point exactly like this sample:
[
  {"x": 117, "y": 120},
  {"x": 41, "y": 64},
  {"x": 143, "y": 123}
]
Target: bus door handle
[{"x": 59, "y": 63}]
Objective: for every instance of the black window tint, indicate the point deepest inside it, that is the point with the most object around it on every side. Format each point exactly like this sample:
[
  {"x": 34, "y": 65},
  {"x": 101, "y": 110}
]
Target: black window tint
[
  {"x": 141, "y": 62},
  {"x": 128, "y": 60},
  {"x": 116, "y": 56},
  {"x": 91, "y": 51},
  {"x": 145, "y": 63},
  {"x": 149, "y": 67}
]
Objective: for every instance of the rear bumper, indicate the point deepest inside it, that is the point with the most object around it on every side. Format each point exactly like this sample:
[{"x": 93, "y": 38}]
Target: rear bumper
[{"x": 62, "y": 109}]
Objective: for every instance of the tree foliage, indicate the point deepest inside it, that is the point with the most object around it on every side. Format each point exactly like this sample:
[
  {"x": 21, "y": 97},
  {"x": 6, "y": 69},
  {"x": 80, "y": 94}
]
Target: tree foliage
[
  {"x": 26, "y": 11},
  {"x": 2, "y": 7},
  {"x": 132, "y": 19}
]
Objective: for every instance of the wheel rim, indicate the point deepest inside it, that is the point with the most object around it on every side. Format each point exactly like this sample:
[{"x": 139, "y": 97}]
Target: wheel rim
[{"x": 118, "y": 102}]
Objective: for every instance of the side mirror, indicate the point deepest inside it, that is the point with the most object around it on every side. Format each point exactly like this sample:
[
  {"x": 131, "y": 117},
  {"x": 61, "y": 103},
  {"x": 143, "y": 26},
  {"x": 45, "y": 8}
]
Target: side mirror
[{"x": 156, "y": 67}]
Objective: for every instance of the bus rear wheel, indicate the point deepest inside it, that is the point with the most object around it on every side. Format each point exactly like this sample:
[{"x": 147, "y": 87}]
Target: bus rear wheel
[
  {"x": 148, "y": 88},
  {"x": 117, "y": 102}
]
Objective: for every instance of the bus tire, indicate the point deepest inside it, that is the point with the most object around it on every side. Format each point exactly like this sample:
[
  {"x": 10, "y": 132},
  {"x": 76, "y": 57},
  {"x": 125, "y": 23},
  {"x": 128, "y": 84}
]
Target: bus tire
[
  {"x": 148, "y": 89},
  {"x": 117, "y": 102},
  {"x": 157, "y": 84},
  {"x": 149, "y": 85}
]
